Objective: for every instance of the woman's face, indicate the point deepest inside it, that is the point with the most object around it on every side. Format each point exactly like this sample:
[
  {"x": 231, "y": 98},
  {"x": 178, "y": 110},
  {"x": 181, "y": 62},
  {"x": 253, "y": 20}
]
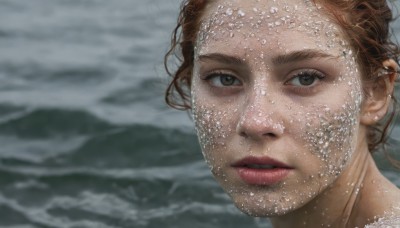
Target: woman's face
[{"x": 276, "y": 97}]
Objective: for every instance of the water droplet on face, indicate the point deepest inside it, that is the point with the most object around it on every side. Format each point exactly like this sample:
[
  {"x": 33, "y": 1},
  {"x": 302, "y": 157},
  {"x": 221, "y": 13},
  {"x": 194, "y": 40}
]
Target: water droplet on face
[
  {"x": 273, "y": 10},
  {"x": 229, "y": 12},
  {"x": 263, "y": 41},
  {"x": 241, "y": 13},
  {"x": 350, "y": 52}
]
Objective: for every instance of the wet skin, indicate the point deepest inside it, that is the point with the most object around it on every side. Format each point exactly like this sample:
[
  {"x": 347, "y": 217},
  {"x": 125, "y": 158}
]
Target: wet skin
[{"x": 277, "y": 83}]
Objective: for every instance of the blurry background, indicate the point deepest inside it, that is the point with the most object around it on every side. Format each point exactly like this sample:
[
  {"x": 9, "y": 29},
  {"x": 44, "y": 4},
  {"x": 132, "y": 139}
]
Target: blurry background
[{"x": 85, "y": 137}]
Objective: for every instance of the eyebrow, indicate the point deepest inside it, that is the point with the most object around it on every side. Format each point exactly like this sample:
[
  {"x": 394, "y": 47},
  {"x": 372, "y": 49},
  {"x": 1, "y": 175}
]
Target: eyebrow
[
  {"x": 222, "y": 58},
  {"x": 295, "y": 56}
]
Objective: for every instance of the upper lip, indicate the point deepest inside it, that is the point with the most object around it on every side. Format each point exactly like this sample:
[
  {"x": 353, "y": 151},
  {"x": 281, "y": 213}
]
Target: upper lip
[{"x": 251, "y": 160}]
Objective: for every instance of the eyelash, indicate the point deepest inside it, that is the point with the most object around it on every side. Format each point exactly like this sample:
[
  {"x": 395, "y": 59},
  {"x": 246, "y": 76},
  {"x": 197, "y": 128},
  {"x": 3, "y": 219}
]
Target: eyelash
[
  {"x": 317, "y": 75},
  {"x": 219, "y": 74}
]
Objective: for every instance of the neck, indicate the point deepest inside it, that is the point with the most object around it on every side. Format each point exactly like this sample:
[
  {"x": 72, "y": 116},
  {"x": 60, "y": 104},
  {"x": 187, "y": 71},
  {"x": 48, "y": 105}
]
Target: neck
[{"x": 335, "y": 205}]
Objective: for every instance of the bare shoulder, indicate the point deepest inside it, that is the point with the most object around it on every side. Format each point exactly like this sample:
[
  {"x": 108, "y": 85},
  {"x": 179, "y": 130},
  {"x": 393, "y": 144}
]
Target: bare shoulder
[
  {"x": 389, "y": 216},
  {"x": 385, "y": 222}
]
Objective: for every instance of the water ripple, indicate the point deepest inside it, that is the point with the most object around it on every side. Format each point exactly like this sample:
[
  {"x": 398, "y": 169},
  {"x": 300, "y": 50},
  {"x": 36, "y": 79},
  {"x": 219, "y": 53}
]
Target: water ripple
[{"x": 180, "y": 172}]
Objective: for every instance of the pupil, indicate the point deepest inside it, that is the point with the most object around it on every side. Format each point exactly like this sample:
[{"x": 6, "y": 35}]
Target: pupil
[
  {"x": 306, "y": 79},
  {"x": 227, "y": 80}
]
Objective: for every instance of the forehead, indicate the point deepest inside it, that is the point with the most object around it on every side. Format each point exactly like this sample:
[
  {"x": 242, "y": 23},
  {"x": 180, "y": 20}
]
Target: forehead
[{"x": 270, "y": 24}]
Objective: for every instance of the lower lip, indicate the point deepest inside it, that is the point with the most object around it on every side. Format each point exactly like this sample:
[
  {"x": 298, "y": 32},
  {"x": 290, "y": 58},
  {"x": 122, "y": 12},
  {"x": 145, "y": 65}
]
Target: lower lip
[{"x": 262, "y": 176}]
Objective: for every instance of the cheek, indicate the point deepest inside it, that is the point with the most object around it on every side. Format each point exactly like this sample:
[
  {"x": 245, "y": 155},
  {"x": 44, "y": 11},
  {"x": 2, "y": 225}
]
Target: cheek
[
  {"x": 212, "y": 132},
  {"x": 331, "y": 136},
  {"x": 330, "y": 128},
  {"x": 212, "y": 122},
  {"x": 210, "y": 125}
]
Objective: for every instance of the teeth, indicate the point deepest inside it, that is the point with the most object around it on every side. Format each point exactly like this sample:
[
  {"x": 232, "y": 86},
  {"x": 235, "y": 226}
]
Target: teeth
[{"x": 255, "y": 166}]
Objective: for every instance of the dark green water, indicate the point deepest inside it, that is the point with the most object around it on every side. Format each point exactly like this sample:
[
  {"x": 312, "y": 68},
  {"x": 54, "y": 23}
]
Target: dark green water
[
  {"x": 63, "y": 168},
  {"x": 86, "y": 140}
]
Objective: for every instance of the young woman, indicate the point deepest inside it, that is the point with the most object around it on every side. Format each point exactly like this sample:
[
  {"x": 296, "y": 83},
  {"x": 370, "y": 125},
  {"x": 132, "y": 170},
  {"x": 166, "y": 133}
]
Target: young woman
[{"x": 289, "y": 99}]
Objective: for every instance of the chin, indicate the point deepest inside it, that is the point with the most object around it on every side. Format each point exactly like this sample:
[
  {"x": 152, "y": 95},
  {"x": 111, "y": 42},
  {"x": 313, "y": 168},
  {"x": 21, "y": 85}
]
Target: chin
[
  {"x": 257, "y": 206},
  {"x": 263, "y": 211}
]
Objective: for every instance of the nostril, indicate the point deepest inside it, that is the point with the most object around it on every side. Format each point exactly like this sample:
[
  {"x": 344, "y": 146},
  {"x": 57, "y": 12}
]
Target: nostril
[
  {"x": 268, "y": 135},
  {"x": 271, "y": 135},
  {"x": 243, "y": 134}
]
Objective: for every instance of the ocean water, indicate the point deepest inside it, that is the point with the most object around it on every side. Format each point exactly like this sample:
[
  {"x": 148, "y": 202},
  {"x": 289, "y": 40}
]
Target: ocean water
[{"x": 86, "y": 139}]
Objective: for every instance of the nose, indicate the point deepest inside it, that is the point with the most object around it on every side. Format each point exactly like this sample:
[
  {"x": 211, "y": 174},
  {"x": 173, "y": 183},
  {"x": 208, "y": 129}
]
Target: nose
[{"x": 260, "y": 119}]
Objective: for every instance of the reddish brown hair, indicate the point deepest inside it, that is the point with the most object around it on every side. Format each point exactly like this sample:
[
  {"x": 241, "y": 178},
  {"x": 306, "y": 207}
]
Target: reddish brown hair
[
  {"x": 184, "y": 35},
  {"x": 364, "y": 22}
]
